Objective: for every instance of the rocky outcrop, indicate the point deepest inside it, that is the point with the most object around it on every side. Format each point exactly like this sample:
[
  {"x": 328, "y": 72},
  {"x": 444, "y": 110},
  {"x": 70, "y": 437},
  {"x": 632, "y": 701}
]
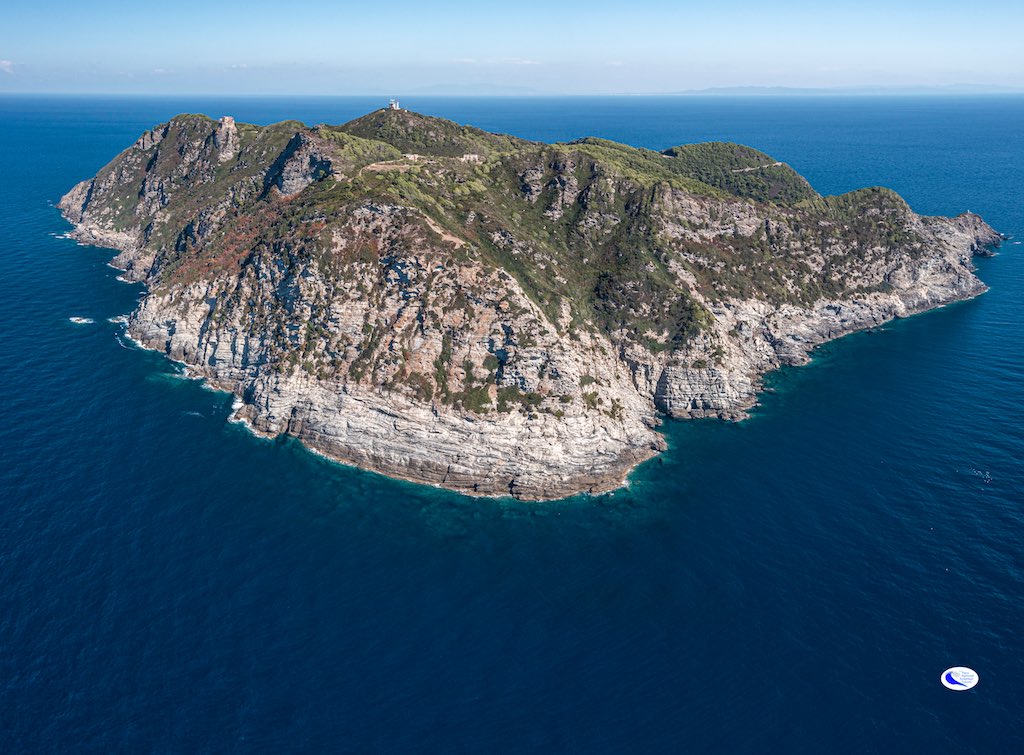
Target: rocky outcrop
[
  {"x": 225, "y": 139},
  {"x": 303, "y": 162},
  {"x": 395, "y": 319},
  {"x": 409, "y": 313}
]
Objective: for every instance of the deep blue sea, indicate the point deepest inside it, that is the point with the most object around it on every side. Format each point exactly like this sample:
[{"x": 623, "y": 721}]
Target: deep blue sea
[{"x": 795, "y": 583}]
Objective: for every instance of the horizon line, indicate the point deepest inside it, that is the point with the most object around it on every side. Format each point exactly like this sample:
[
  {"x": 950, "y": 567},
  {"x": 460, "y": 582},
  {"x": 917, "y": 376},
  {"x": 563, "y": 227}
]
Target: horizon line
[{"x": 867, "y": 90}]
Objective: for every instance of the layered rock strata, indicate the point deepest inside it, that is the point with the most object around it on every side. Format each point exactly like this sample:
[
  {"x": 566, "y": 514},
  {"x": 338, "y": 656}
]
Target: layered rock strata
[{"x": 491, "y": 315}]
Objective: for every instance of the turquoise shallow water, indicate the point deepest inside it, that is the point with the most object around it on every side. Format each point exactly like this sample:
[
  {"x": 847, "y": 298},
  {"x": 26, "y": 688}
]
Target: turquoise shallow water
[{"x": 793, "y": 583}]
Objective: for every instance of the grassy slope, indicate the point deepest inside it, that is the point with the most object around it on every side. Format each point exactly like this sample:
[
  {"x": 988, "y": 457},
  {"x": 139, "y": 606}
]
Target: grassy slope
[
  {"x": 741, "y": 171},
  {"x": 413, "y": 133}
]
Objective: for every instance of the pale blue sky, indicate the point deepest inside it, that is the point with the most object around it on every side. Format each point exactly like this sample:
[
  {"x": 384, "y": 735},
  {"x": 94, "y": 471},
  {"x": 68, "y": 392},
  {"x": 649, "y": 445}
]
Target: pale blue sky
[{"x": 642, "y": 46}]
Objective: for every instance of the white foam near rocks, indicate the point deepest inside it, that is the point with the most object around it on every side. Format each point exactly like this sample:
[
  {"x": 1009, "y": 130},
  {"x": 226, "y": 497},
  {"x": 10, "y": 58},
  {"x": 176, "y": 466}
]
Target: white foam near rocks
[
  {"x": 234, "y": 418},
  {"x": 81, "y": 320},
  {"x": 123, "y": 345}
]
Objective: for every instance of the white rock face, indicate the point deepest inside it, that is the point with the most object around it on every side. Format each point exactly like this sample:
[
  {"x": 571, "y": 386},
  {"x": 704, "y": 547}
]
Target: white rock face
[
  {"x": 756, "y": 337},
  {"x": 534, "y": 455},
  {"x": 303, "y": 163},
  {"x": 382, "y": 339},
  {"x": 226, "y": 139}
]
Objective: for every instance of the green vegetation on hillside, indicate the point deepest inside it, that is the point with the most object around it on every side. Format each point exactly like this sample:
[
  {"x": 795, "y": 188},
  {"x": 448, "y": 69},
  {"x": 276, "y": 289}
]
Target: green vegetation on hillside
[
  {"x": 412, "y": 133},
  {"x": 742, "y": 171},
  {"x": 586, "y": 228}
]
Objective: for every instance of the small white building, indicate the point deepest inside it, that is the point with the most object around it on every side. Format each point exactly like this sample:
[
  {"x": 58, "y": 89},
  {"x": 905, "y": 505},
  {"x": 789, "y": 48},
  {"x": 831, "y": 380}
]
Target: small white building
[{"x": 393, "y": 105}]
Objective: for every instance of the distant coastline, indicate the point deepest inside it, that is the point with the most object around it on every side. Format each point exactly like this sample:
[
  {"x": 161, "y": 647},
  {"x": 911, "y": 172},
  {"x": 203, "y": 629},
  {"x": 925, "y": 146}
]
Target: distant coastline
[{"x": 509, "y": 92}]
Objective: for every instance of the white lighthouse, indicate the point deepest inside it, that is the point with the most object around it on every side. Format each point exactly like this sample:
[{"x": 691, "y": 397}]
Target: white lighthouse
[{"x": 393, "y": 104}]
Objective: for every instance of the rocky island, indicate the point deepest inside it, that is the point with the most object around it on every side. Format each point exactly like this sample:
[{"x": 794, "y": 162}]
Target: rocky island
[{"x": 489, "y": 314}]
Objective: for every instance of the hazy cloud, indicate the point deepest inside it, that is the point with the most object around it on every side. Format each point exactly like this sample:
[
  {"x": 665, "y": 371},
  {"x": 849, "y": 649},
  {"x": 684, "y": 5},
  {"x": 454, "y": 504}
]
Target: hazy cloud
[
  {"x": 521, "y": 62},
  {"x": 7, "y": 66},
  {"x": 465, "y": 61},
  {"x": 239, "y": 65}
]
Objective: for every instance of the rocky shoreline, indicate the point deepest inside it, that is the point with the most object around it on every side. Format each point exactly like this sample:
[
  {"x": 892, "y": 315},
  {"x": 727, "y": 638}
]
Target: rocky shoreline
[{"x": 427, "y": 362}]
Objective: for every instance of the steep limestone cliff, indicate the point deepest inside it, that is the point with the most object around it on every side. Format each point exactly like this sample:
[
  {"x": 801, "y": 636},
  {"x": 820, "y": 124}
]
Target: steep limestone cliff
[{"x": 488, "y": 314}]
